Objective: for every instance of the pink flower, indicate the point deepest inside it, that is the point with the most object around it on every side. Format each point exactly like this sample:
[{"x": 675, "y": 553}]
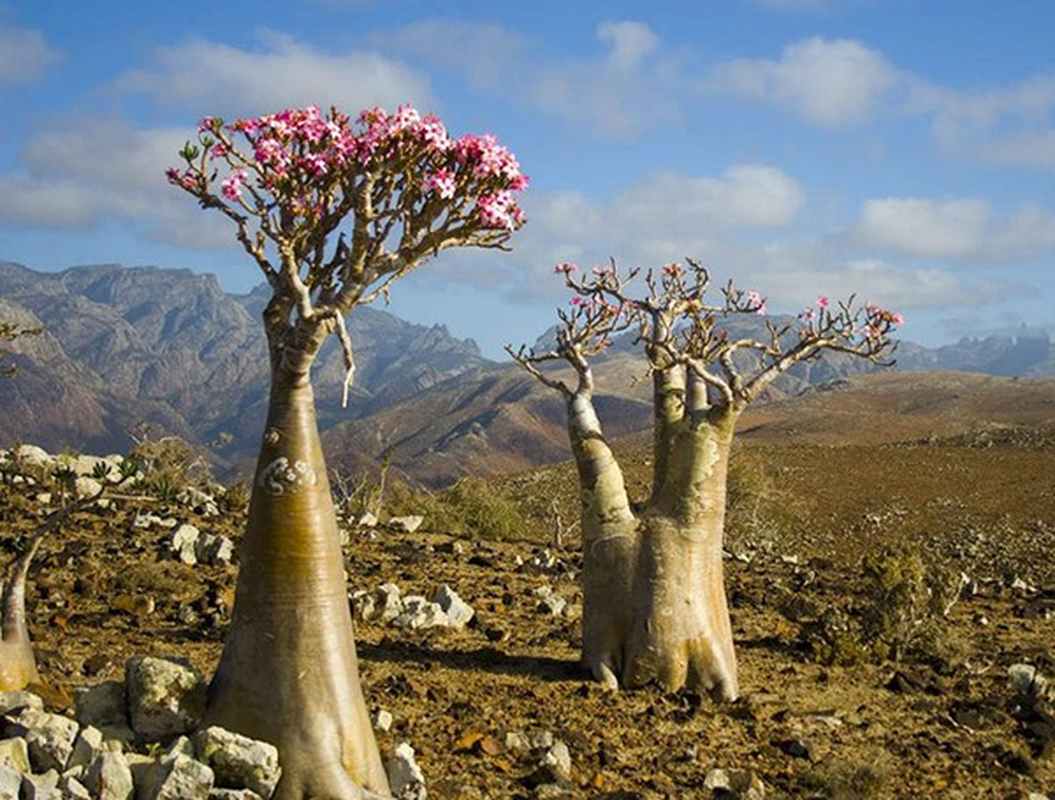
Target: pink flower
[
  {"x": 578, "y": 302},
  {"x": 499, "y": 210},
  {"x": 822, "y": 302},
  {"x": 565, "y": 268},
  {"x": 673, "y": 270},
  {"x": 442, "y": 182},
  {"x": 231, "y": 187},
  {"x": 756, "y": 303}
]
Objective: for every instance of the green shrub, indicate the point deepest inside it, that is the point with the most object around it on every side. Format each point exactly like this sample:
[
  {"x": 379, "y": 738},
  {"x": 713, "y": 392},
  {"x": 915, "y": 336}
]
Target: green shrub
[
  {"x": 470, "y": 507},
  {"x": 901, "y": 617}
]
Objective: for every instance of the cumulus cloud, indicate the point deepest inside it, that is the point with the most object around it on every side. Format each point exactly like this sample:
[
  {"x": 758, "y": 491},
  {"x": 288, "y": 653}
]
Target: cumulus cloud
[
  {"x": 71, "y": 179},
  {"x": 632, "y": 86},
  {"x": 489, "y": 56},
  {"x": 1009, "y": 124},
  {"x": 206, "y": 75},
  {"x": 956, "y": 229},
  {"x": 631, "y": 42},
  {"x": 833, "y": 83},
  {"x": 923, "y": 227},
  {"x": 24, "y": 55}
]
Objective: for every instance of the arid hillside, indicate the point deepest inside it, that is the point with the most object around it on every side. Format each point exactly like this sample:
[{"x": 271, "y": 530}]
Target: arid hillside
[{"x": 848, "y": 505}]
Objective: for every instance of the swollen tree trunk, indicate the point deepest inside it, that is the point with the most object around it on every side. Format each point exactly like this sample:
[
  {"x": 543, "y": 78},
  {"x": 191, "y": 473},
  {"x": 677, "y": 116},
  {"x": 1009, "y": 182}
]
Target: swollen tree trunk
[
  {"x": 289, "y": 673},
  {"x": 654, "y": 596},
  {"x": 18, "y": 666}
]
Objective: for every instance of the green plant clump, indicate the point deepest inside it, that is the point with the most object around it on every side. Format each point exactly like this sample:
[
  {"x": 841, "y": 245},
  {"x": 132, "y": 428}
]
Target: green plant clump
[{"x": 474, "y": 508}]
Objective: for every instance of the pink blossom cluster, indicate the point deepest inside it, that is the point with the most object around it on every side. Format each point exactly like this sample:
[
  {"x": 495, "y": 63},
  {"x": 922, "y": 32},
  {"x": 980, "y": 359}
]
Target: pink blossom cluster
[
  {"x": 880, "y": 321},
  {"x": 756, "y": 302},
  {"x": 303, "y": 151}
]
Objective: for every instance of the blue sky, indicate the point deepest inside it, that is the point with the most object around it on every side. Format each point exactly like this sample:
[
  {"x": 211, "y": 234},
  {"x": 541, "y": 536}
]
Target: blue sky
[{"x": 901, "y": 150}]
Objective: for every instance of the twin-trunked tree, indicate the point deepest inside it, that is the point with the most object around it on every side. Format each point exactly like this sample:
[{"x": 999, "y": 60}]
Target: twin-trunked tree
[
  {"x": 332, "y": 210},
  {"x": 654, "y": 606}
]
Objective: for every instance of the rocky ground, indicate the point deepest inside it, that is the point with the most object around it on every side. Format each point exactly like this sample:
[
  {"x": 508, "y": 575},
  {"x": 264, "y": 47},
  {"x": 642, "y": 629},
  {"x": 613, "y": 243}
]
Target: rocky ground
[{"x": 942, "y": 719}]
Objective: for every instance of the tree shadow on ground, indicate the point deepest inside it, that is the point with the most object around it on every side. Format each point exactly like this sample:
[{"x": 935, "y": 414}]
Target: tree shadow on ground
[{"x": 484, "y": 659}]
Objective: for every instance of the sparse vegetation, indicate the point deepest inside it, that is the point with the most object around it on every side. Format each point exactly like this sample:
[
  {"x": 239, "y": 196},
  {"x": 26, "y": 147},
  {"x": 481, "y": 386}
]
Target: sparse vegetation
[{"x": 9, "y": 332}]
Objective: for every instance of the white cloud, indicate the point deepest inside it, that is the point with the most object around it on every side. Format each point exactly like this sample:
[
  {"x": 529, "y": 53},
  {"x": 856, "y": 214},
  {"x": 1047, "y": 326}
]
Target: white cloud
[
  {"x": 1010, "y": 124},
  {"x": 923, "y": 227},
  {"x": 24, "y": 55},
  {"x": 216, "y": 78},
  {"x": 629, "y": 91},
  {"x": 71, "y": 179},
  {"x": 957, "y": 229},
  {"x": 631, "y": 42},
  {"x": 744, "y": 196},
  {"x": 832, "y": 83},
  {"x": 489, "y": 56},
  {"x": 1025, "y": 149}
]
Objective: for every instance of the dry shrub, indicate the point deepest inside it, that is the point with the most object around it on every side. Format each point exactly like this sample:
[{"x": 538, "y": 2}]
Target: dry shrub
[{"x": 902, "y": 616}]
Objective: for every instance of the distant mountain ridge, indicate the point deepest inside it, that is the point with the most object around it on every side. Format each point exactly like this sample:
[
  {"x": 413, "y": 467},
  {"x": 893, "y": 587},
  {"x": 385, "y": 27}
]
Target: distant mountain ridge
[{"x": 122, "y": 346}]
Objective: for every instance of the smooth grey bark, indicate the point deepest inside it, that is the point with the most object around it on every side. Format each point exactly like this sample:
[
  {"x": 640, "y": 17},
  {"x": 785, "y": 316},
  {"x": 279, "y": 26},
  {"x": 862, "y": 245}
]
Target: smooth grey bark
[
  {"x": 289, "y": 671},
  {"x": 18, "y": 665},
  {"x": 654, "y": 608}
]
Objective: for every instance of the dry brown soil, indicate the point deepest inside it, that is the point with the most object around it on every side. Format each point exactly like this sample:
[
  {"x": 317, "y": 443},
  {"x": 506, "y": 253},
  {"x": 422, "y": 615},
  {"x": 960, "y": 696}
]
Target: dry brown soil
[{"x": 943, "y": 725}]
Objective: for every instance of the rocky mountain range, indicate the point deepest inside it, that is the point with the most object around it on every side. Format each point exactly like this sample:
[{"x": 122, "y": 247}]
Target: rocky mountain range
[{"x": 123, "y": 347}]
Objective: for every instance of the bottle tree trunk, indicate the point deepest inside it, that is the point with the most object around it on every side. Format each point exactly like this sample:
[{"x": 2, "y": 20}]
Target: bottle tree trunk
[
  {"x": 18, "y": 666},
  {"x": 654, "y": 606},
  {"x": 289, "y": 672}
]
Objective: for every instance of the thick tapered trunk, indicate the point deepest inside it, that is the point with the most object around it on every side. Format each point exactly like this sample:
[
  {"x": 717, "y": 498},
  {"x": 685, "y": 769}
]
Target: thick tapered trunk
[
  {"x": 654, "y": 605},
  {"x": 18, "y": 666},
  {"x": 289, "y": 672},
  {"x": 654, "y": 609}
]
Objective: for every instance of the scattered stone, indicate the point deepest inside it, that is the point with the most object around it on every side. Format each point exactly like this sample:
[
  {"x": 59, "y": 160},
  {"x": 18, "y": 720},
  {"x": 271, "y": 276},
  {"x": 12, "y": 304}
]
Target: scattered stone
[
  {"x": 86, "y": 748},
  {"x": 526, "y": 742},
  {"x": 72, "y": 788},
  {"x": 165, "y": 697},
  {"x": 214, "y": 549},
  {"x": 14, "y": 753},
  {"x": 420, "y": 614},
  {"x": 44, "y": 786},
  {"x": 738, "y": 783},
  {"x": 237, "y": 761},
  {"x": 184, "y": 543},
  {"x": 404, "y": 775},
  {"x": 383, "y": 720},
  {"x": 388, "y": 602},
  {"x": 459, "y": 613},
  {"x": 10, "y": 701},
  {"x": 10, "y": 781},
  {"x": 550, "y": 602},
  {"x": 176, "y": 778},
  {"x": 1027, "y": 681},
  {"x": 85, "y": 487},
  {"x": 49, "y": 738},
  {"x": 407, "y": 524},
  {"x": 557, "y": 759},
  {"x": 110, "y": 778}
]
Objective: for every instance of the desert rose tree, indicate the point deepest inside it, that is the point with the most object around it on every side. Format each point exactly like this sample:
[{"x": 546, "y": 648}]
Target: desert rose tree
[
  {"x": 332, "y": 210},
  {"x": 654, "y": 605}
]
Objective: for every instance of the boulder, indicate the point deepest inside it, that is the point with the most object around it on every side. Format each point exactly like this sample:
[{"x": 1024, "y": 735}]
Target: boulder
[
  {"x": 459, "y": 613},
  {"x": 404, "y": 775},
  {"x": 165, "y": 697},
  {"x": 237, "y": 761},
  {"x": 110, "y": 778},
  {"x": 49, "y": 738}
]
